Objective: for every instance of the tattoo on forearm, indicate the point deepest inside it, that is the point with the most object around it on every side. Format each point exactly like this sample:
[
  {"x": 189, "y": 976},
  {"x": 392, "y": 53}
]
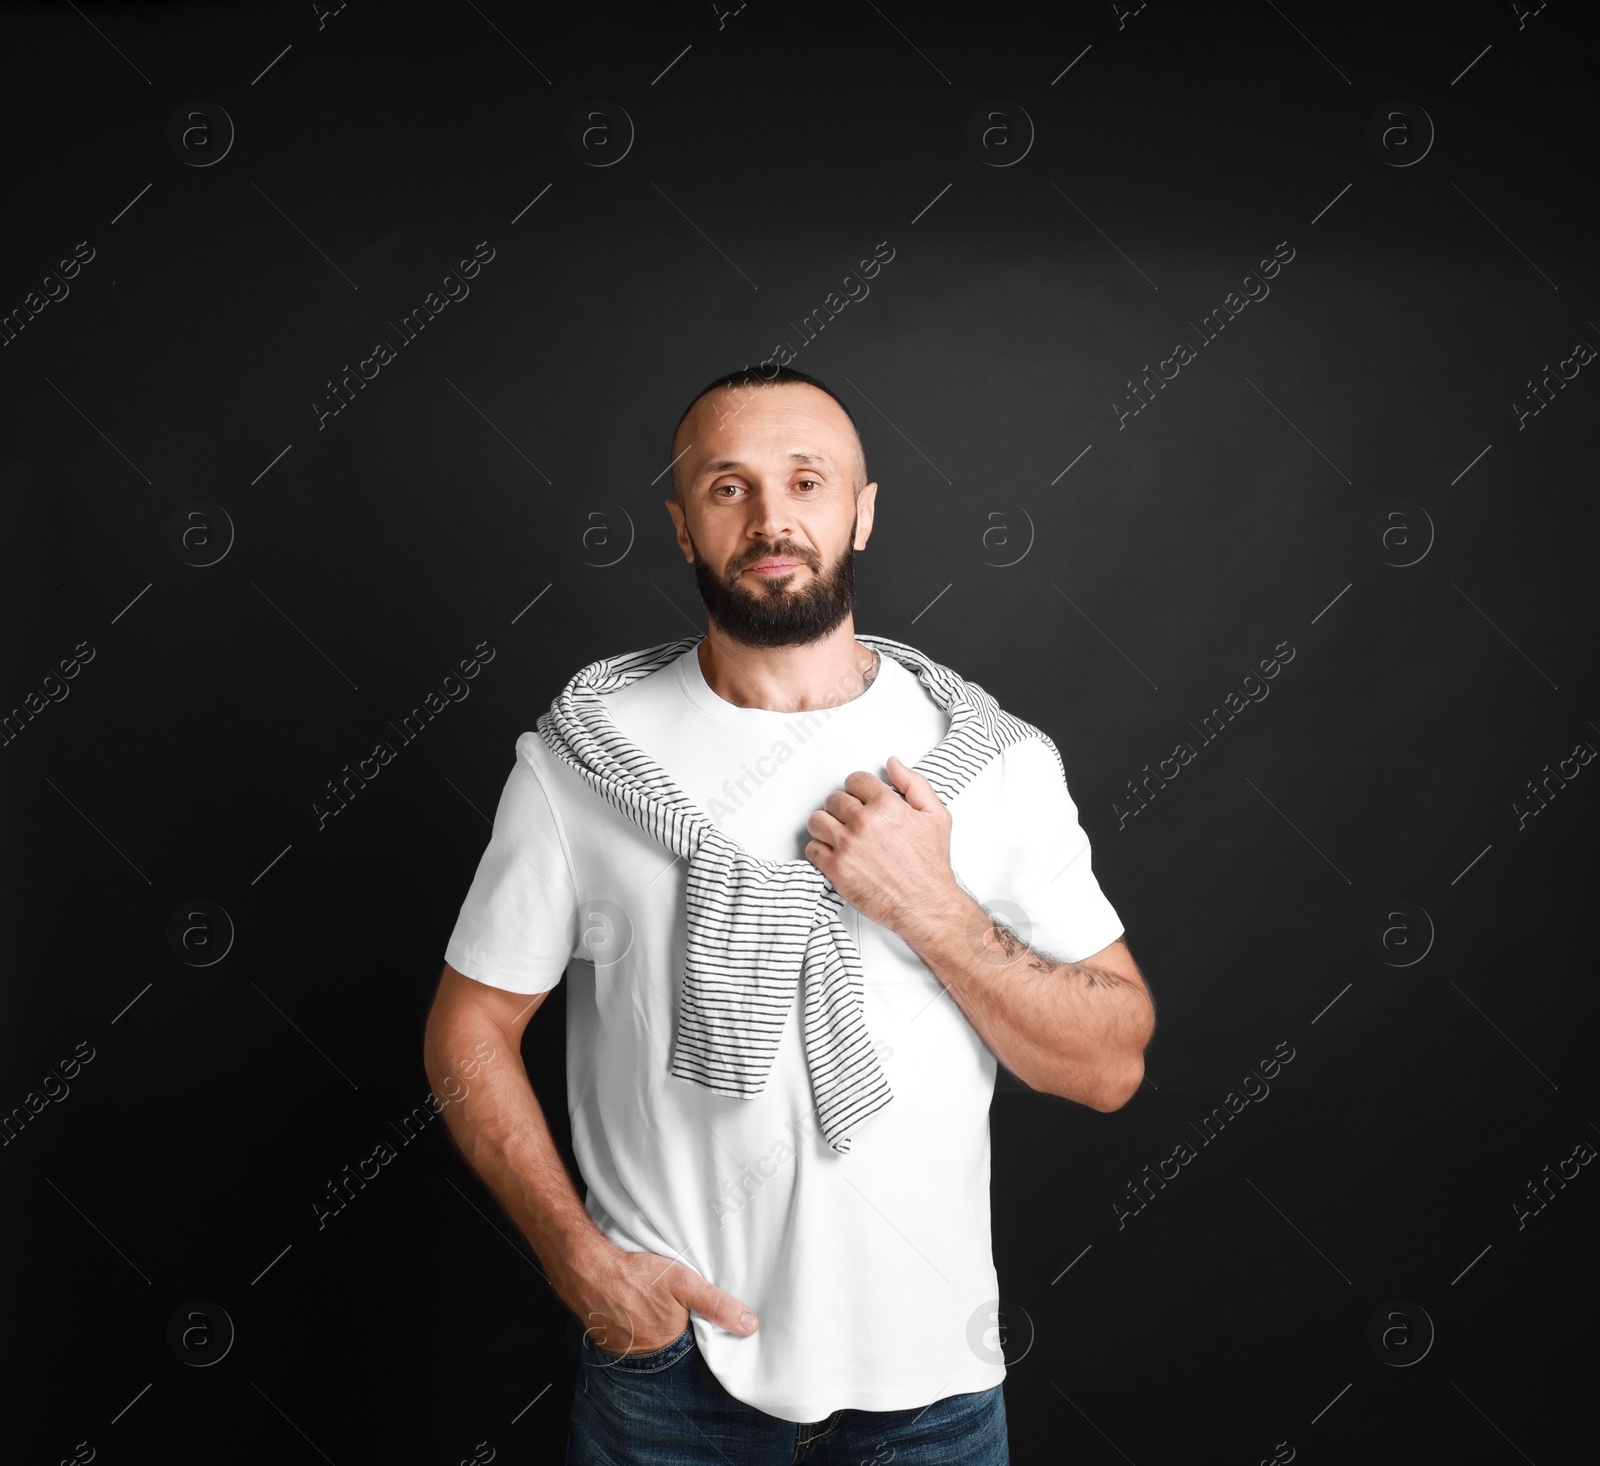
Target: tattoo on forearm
[
  {"x": 1101, "y": 977},
  {"x": 1011, "y": 944}
]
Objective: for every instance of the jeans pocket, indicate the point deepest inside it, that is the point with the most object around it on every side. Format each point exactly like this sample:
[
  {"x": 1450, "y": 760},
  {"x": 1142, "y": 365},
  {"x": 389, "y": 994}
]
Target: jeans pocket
[{"x": 648, "y": 1363}]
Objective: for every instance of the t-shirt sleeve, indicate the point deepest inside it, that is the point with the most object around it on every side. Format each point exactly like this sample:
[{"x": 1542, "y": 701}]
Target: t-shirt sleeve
[
  {"x": 1046, "y": 861},
  {"x": 517, "y": 927}
]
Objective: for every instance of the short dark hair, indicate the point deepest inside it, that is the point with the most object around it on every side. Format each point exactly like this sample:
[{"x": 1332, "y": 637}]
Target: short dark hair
[{"x": 747, "y": 377}]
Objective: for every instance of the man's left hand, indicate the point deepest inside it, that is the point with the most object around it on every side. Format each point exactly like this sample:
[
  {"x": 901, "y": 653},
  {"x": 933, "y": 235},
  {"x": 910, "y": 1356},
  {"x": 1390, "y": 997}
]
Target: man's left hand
[{"x": 886, "y": 849}]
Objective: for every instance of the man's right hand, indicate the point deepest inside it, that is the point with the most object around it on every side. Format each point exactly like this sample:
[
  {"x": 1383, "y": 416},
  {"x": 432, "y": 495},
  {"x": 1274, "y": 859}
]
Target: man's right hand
[{"x": 636, "y": 1302}]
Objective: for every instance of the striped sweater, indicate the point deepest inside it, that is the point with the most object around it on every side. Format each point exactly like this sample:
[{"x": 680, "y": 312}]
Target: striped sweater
[{"x": 758, "y": 928}]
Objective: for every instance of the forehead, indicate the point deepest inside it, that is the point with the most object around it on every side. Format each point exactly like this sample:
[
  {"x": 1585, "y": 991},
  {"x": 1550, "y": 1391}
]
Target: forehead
[{"x": 794, "y": 422}]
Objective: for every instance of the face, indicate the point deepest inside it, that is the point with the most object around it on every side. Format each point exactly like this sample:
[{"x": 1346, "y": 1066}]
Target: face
[{"x": 768, "y": 475}]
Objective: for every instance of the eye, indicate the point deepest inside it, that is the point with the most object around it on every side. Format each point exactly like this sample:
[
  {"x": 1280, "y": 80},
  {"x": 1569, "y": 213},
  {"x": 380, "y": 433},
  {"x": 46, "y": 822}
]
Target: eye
[{"x": 814, "y": 484}]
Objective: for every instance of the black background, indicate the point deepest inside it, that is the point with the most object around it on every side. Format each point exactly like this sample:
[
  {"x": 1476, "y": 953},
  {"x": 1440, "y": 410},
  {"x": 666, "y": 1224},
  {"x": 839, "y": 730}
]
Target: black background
[{"x": 1228, "y": 1320}]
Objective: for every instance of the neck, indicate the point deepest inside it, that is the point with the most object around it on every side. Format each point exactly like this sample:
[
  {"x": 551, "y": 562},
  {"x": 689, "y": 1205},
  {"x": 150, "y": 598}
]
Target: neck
[{"x": 788, "y": 679}]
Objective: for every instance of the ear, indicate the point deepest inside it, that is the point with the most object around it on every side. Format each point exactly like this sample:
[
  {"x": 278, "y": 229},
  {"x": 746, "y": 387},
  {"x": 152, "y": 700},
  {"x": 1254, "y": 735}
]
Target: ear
[
  {"x": 680, "y": 525},
  {"x": 864, "y": 504}
]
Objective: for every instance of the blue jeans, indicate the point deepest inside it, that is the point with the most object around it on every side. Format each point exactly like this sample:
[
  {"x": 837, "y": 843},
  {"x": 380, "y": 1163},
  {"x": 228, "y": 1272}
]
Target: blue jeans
[{"x": 666, "y": 1408}]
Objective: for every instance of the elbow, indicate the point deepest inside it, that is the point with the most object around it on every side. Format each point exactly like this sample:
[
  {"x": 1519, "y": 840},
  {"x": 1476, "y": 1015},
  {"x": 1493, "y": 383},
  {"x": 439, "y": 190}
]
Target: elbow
[
  {"x": 1124, "y": 1072},
  {"x": 1120, "y": 1087},
  {"x": 1120, "y": 1078},
  {"x": 1106, "y": 1091}
]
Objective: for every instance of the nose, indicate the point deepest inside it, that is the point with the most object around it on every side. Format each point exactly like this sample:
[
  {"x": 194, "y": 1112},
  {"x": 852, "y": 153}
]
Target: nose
[{"x": 770, "y": 522}]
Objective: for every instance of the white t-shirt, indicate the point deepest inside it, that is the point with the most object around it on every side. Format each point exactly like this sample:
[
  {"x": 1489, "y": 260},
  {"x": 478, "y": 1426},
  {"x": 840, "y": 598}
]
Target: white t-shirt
[{"x": 871, "y": 1272}]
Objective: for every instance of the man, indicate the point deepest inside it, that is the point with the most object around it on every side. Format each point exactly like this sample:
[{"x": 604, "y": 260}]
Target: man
[{"x": 786, "y": 1007}]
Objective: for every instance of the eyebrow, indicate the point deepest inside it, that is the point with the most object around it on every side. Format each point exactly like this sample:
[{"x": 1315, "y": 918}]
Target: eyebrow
[{"x": 726, "y": 465}]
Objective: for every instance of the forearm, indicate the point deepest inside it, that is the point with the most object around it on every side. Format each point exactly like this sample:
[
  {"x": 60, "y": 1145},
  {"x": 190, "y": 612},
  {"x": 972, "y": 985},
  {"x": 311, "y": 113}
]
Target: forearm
[
  {"x": 500, "y": 1129},
  {"x": 1067, "y": 1028}
]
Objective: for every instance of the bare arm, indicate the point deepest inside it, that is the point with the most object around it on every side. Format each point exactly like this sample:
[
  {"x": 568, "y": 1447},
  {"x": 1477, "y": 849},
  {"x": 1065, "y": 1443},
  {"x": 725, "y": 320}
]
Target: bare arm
[
  {"x": 499, "y": 1125},
  {"x": 630, "y": 1302},
  {"x": 1076, "y": 1029}
]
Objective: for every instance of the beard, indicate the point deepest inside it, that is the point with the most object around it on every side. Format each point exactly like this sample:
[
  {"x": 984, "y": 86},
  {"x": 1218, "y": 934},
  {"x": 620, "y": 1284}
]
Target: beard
[{"x": 772, "y": 614}]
